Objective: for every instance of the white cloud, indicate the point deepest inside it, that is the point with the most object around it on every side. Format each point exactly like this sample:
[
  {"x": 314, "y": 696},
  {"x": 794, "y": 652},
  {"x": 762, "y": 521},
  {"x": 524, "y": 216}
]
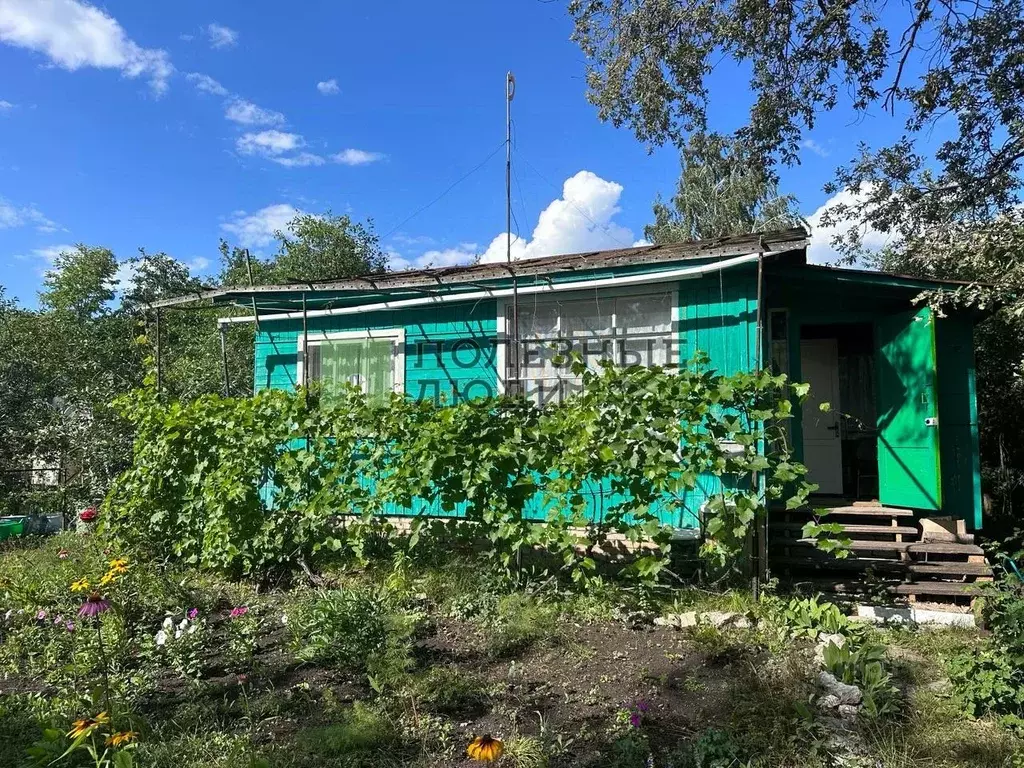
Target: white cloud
[
  {"x": 356, "y": 157},
  {"x": 50, "y": 253},
  {"x": 582, "y": 219},
  {"x": 328, "y": 87},
  {"x": 206, "y": 84},
  {"x": 301, "y": 160},
  {"x": 820, "y": 249},
  {"x": 405, "y": 239},
  {"x": 198, "y": 264},
  {"x": 245, "y": 112},
  {"x": 463, "y": 253},
  {"x": 124, "y": 277},
  {"x": 5, "y": 106},
  {"x": 814, "y": 147},
  {"x": 276, "y": 146},
  {"x": 268, "y": 143},
  {"x": 74, "y": 34},
  {"x": 256, "y": 230},
  {"x": 220, "y": 36},
  {"x": 12, "y": 216}
]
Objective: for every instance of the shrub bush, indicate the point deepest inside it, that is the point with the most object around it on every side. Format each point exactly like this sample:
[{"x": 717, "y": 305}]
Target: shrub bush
[
  {"x": 991, "y": 680},
  {"x": 340, "y": 626}
]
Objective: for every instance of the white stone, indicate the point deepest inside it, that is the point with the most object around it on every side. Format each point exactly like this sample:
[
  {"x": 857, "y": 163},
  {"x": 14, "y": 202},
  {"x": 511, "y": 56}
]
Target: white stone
[
  {"x": 848, "y": 694},
  {"x": 828, "y": 701},
  {"x": 885, "y": 615},
  {"x": 677, "y": 620},
  {"x": 848, "y": 711}
]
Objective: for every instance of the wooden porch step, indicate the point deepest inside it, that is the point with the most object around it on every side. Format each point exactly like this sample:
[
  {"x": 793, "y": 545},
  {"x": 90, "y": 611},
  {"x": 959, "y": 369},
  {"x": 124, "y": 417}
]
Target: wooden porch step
[
  {"x": 881, "y": 528},
  {"x": 910, "y": 547},
  {"x": 829, "y": 563},
  {"x": 944, "y": 588},
  {"x": 854, "y": 510},
  {"x": 933, "y": 588},
  {"x": 920, "y": 571},
  {"x": 950, "y": 569}
]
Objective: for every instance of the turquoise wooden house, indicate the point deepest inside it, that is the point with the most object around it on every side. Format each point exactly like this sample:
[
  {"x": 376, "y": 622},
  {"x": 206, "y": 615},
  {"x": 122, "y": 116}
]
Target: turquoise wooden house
[{"x": 902, "y": 430}]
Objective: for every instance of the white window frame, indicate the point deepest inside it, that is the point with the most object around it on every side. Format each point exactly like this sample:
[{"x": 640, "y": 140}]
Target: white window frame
[
  {"x": 610, "y": 293},
  {"x": 397, "y": 336}
]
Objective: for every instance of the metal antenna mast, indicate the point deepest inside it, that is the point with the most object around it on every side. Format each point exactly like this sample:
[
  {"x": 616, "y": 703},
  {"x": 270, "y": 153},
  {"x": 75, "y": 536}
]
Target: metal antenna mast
[{"x": 510, "y": 92}]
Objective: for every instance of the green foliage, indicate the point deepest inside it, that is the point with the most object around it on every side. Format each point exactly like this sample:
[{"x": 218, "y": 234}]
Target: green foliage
[
  {"x": 346, "y": 627},
  {"x": 526, "y": 752},
  {"x": 518, "y": 622},
  {"x": 720, "y": 192},
  {"x": 245, "y": 485},
  {"x": 243, "y": 634},
  {"x": 807, "y": 617},
  {"x": 310, "y": 249},
  {"x": 715, "y": 748},
  {"x": 987, "y": 681},
  {"x": 363, "y": 738},
  {"x": 863, "y": 665},
  {"x": 451, "y": 691},
  {"x": 991, "y": 680}
]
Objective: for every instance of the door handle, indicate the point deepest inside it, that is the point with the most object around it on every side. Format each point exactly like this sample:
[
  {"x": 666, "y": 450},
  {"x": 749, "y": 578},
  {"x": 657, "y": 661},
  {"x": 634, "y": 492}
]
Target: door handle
[{"x": 834, "y": 428}]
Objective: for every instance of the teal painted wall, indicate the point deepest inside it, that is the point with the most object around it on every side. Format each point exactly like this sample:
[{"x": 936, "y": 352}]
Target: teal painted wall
[
  {"x": 821, "y": 302},
  {"x": 718, "y": 316},
  {"x": 958, "y": 420},
  {"x": 450, "y": 349},
  {"x": 451, "y": 353}
]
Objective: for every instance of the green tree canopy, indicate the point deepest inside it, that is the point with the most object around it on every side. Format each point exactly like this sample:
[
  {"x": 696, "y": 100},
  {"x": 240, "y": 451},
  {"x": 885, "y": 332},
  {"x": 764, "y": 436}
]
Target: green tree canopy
[
  {"x": 721, "y": 191},
  {"x": 81, "y": 282},
  {"x": 651, "y": 65},
  {"x": 312, "y": 248}
]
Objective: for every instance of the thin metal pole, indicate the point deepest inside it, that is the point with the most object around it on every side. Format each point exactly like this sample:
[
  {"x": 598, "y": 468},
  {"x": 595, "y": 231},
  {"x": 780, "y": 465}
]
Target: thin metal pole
[
  {"x": 224, "y": 360},
  {"x": 248, "y": 269},
  {"x": 159, "y": 368},
  {"x": 510, "y": 91},
  {"x": 760, "y": 543},
  {"x": 305, "y": 343}
]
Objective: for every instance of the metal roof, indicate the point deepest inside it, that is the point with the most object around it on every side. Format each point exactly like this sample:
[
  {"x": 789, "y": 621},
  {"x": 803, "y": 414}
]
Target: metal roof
[{"x": 423, "y": 279}]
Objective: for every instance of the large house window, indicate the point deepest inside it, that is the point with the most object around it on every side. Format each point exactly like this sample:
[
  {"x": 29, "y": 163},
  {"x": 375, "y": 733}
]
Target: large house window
[
  {"x": 626, "y": 329},
  {"x": 374, "y": 361}
]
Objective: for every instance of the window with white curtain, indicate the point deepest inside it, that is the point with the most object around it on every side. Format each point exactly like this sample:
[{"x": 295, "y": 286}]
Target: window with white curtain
[
  {"x": 372, "y": 361},
  {"x": 626, "y": 329}
]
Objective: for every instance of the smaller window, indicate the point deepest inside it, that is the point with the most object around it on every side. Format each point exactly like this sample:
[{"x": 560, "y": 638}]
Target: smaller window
[{"x": 374, "y": 361}]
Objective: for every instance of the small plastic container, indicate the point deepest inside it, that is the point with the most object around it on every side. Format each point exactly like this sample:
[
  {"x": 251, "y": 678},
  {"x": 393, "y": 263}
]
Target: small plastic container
[{"x": 12, "y": 526}]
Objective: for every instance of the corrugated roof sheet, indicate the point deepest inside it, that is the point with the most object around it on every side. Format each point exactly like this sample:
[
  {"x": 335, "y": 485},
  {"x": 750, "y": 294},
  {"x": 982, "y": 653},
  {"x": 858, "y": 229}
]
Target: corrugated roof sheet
[{"x": 723, "y": 247}]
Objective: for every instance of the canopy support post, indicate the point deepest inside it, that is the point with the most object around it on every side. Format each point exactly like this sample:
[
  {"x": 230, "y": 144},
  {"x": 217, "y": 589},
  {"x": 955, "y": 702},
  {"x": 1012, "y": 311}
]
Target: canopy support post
[
  {"x": 305, "y": 343},
  {"x": 159, "y": 367},
  {"x": 224, "y": 360}
]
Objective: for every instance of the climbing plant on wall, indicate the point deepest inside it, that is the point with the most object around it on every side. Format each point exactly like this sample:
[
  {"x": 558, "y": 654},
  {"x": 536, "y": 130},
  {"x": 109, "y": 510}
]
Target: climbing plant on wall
[{"x": 250, "y": 484}]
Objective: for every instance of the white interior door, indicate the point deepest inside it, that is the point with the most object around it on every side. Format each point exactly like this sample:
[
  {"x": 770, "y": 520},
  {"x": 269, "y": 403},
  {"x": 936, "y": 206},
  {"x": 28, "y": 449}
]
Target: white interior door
[{"x": 823, "y": 451}]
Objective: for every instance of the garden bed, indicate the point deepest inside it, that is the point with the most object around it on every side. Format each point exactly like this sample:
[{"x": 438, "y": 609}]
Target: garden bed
[{"x": 407, "y": 663}]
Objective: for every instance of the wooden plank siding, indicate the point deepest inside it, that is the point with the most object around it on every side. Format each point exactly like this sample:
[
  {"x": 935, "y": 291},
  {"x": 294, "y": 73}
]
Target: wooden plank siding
[{"x": 451, "y": 354}]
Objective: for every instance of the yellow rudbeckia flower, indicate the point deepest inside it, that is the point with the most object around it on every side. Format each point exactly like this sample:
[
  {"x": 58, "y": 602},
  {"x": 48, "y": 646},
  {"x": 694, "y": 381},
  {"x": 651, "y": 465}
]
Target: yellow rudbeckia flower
[
  {"x": 485, "y": 749},
  {"x": 121, "y": 738},
  {"x": 88, "y": 724},
  {"x": 82, "y": 585}
]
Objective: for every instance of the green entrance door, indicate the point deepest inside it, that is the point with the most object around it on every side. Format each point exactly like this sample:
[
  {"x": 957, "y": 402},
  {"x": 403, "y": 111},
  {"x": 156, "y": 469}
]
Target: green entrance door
[{"x": 908, "y": 423}]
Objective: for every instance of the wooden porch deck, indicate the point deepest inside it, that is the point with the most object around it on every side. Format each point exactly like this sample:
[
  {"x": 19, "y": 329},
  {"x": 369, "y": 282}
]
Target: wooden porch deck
[{"x": 889, "y": 552}]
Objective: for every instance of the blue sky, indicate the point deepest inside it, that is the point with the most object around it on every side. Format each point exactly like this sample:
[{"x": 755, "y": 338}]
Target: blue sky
[{"x": 170, "y": 125}]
